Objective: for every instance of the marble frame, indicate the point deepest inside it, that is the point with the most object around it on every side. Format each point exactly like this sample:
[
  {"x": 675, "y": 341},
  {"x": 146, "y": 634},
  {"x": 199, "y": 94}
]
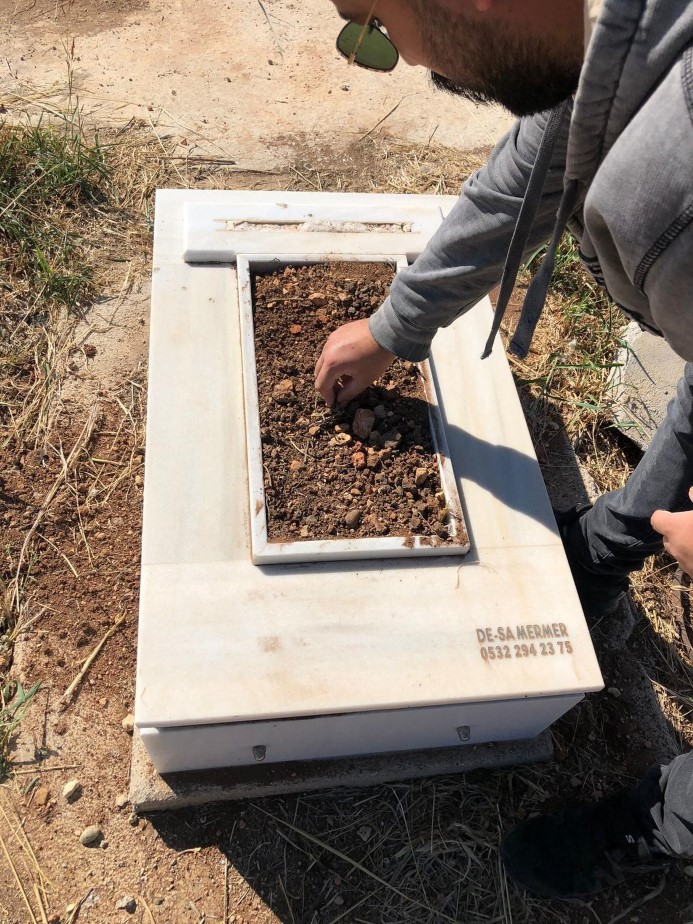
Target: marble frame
[{"x": 268, "y": 552}]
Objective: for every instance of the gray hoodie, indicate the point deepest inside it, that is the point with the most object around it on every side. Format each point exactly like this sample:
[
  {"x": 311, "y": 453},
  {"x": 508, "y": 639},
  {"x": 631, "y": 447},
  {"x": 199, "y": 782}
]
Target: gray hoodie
[{"x": 626, "y": 151}]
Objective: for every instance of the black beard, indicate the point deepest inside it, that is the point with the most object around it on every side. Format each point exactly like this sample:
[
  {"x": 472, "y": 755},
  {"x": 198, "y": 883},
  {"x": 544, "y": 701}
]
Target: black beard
[{"x": 521, "y": 96}]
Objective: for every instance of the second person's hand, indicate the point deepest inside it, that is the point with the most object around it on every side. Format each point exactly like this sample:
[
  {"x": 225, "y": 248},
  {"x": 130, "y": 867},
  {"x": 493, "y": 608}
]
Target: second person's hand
[
  {"x": 677, "y": 529},
  {"x": 350, "y": 361}
]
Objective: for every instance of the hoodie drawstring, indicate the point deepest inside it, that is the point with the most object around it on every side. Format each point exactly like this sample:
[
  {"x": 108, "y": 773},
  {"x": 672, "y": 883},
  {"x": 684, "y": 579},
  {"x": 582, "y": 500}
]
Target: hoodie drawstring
[
  {"x": 523, "y": 228},
  {"x": 539, "y": 287}
]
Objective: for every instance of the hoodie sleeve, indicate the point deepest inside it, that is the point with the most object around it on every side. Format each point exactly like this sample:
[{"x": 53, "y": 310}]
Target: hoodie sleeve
[{"x": 464, "y": 259}]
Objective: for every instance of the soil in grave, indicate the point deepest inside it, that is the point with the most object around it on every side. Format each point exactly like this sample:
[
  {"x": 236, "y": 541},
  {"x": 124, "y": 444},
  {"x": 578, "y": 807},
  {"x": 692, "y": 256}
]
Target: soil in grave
[{"x": 366, "y": 470}]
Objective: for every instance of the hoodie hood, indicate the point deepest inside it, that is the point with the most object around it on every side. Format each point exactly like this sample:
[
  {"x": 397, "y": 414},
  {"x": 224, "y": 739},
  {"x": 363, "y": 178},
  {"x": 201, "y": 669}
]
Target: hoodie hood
[{"x": 633, "y": 45}]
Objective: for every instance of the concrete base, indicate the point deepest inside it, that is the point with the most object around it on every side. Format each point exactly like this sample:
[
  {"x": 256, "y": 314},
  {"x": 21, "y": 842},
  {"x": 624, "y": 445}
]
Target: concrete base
[
  {"x": 150, "y": 792},
  {"x": 644, "y": 384}
]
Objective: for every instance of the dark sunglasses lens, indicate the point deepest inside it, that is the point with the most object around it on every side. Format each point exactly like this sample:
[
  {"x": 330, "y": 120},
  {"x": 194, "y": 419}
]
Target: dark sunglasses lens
[{"x": 376, "y": 51}]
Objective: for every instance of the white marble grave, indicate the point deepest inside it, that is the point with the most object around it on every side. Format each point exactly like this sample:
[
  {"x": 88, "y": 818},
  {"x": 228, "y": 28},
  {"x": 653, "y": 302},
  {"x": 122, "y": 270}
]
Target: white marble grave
[{"x": 241, "y": 662}]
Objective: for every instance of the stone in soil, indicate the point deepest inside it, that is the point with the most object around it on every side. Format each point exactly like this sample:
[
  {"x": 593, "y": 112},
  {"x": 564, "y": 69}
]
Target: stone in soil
[
  {"x": 128, "y": 723},
  {"x": 72, "y": 790},
  {"x": 352, "y": 518},
  {"x": 127, "y": 903},
  {"x": 364, "y": 421},
  {"x": 420, "y": 477},
  {"x": 42, "y": 796},
  {"x": 90, "y": 835}
]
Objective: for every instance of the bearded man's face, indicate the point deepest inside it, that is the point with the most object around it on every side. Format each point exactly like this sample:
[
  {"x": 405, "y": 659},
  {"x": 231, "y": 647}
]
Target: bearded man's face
[{"x": 485, "y": 59}]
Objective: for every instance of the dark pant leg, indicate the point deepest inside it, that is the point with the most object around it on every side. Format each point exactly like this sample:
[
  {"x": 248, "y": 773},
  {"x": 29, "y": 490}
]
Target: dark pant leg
[
  {"x": 617, "y": 533},
  {"x": 664, "y": 803}
]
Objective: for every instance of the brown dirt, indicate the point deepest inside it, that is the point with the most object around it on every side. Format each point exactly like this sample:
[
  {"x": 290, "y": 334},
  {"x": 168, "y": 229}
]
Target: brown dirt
[
  {"x": 71, "y": 17},
  {"x": 324, "y": 475}
]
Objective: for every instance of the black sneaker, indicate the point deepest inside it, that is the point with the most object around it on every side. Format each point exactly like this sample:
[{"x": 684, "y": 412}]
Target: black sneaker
[
  {"x": 578, "y": 852},
  {"x": 600, "y": 594}
]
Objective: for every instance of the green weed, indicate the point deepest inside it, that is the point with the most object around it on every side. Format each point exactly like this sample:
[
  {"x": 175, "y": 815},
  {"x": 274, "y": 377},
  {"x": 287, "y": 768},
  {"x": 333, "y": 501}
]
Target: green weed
[
  {"x": 14, "y": 701},
  {"x": 49, "y": 176}
]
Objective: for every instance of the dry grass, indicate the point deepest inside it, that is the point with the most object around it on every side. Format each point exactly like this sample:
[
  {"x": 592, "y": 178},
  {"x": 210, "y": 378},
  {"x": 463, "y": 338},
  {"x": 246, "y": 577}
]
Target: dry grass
[
  {"x": 74, "y": 223},
  {"x": 376, "y": 164}
]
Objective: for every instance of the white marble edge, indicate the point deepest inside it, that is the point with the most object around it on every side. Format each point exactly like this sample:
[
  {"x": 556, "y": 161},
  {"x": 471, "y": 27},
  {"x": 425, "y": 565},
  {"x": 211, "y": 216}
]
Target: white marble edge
[{"x": 301, "y": 654}]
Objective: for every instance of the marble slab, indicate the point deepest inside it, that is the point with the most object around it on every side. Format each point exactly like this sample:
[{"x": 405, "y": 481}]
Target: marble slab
[
  {"x": 214, "y": 227},
  {"x": 224, "y": 642}
]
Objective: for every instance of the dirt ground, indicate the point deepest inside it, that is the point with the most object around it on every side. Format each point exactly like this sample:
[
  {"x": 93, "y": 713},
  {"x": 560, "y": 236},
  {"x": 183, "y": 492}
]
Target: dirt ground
[
  {"x": 241, "y": 79},
  {"x": 419, "y": 852}
]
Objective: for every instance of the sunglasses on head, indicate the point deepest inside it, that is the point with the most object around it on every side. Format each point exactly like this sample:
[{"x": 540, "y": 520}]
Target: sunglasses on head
[{"x": 366, "y": 45}]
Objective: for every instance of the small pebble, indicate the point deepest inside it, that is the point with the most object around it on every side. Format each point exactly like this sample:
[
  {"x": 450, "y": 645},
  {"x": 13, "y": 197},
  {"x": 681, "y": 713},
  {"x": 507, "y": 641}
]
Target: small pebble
[
  {"x": 128, "y": 723},
  {"x": 127, "y": 903},
  {"x": 134, "y": 819},
  {"x": 90, "y": 835},
  {"x": 358, "y": 460},
  {"x": 364, "y": 832},
  {"x": 364, "y": 421},
  {"x": 688, "y": 870},
  {"x": 420, "y": 477},
  {"x": 283, "y": 390},
  {"x": 352, "y": 518},
  {"x": 614, "y": 691},
  {"x": 295, "y": 465},
  {"x": 71, "y": 790},
  {"x": 42, "y": 796},
  {"x": 313, "y": 431},
  {"x": 121, "y": 800}
]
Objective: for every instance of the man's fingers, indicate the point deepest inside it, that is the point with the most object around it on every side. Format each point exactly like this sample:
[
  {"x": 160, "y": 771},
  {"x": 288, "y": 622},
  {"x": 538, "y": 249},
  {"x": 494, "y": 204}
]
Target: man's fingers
[
  {"x": 660, "y": 521},
  {"x": 351, "y": 388},
  {"x": 325, "y": 381}
]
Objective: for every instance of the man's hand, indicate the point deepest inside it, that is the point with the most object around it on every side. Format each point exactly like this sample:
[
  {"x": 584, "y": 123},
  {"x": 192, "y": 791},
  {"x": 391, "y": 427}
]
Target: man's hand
[
  {"x": 677, "y": 529},
  {"x": 350, "y": 361}
]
